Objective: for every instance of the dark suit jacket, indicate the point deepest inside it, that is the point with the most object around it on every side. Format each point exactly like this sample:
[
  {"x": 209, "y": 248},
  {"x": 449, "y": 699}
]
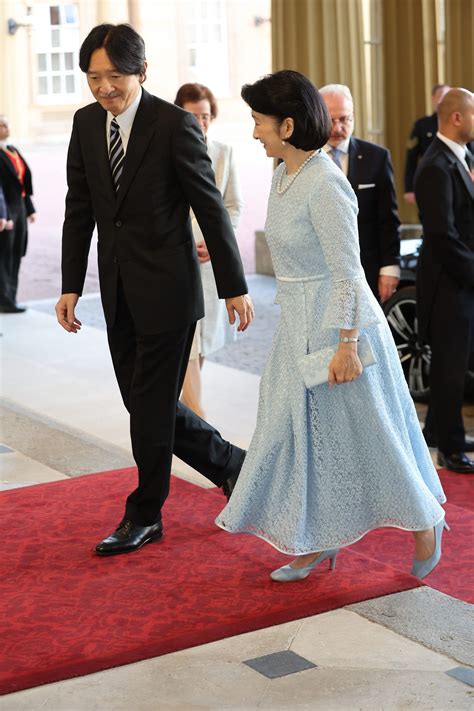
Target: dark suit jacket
[
  {"x": 12, "y": 190},
  {"x": 422, "y": 134},
  {"x": 445, "y": 196},
  {"x": 144, "y": 231},
  {"x": 378, "y": 221},
  {"x": 3, "y": 206},
  {"x": 12, "y": 187},
  {"x": 423, "y": 131}
]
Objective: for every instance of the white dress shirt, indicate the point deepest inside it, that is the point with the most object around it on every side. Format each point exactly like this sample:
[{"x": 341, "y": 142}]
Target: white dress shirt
[
  {"x": 393, "y": 270},
  {"x": 125, "y": 122},
  {"x": 458, "y": 150}
]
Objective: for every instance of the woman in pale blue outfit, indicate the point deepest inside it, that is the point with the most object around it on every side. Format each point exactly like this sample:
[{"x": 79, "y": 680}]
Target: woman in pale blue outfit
[{"x": 328, "y": 463}]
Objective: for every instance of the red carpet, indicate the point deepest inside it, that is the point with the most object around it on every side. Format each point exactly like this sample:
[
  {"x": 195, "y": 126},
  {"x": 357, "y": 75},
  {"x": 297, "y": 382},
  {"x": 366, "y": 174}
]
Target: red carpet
[
  {"x": 455, "y": 573},
  {"x": 66, "y": 612}
]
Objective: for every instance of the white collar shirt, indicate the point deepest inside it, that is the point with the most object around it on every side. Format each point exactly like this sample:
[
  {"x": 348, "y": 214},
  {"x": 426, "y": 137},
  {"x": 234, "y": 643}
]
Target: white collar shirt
[
  {"x": 125, "y": 121},
  {"x": 458, "y": 150},
  {"x": 343, "y": 147}
]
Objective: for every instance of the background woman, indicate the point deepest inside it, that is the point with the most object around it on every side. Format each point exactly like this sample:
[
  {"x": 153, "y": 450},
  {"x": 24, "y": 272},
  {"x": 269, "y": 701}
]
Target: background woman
[
  {"x": 213, "y": 331},
  {"x": 327, "y": 463}
]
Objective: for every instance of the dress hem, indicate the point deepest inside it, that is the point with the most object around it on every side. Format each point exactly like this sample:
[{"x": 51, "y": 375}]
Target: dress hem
[{"x": 326, "y": 547}]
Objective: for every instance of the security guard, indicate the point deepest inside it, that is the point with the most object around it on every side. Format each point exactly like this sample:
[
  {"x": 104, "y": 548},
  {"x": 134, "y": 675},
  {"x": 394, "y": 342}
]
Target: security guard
[{"x": 423, "y": 132}]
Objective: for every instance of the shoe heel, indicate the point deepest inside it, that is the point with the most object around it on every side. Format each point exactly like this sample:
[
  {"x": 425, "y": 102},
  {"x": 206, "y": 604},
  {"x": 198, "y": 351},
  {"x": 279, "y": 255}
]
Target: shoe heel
[
  {"x": 333, "y": 562},
  {"x": 446, "y": 527}
]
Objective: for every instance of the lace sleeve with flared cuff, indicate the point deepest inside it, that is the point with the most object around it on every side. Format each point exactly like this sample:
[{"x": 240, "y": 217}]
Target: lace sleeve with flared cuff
[{"x": 351, "y": 304}]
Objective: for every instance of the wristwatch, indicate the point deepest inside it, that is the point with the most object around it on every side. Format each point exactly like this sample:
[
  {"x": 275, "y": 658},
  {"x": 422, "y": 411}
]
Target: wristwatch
[{"x": 348, "y": 339}]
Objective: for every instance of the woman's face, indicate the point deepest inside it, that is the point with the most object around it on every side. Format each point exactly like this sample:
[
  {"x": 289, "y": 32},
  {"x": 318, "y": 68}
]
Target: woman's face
[
  {"x": 202, "y": 111},
  {"x": 269, "y": 133}
]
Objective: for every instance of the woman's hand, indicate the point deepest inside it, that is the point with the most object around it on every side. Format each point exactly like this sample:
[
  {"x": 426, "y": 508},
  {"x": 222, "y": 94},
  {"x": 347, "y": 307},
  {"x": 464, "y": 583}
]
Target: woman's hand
[{"x": 345, "y": 365}]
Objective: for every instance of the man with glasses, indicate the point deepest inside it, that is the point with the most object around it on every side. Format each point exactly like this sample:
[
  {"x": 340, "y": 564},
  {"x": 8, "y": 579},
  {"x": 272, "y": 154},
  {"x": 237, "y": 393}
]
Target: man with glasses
[{"x": 368, "y": 168}]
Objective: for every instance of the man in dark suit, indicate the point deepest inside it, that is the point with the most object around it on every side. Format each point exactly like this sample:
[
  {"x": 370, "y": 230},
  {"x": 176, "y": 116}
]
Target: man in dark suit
[
  {"x": 15, "y": 178},
  {"x": 423, "y": 131},
  {"x": 444, "y": 192},
  {"x": 3, "y": 211},
  {"x": 136, "y": 164},
  {"x": 368, "y": 168}
]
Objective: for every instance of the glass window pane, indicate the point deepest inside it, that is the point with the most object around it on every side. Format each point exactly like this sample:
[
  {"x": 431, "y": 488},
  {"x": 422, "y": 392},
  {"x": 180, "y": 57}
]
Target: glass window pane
[
  {"x": 70, "y": 14},
  {"x": 192, "y": 34},
  {"x": 56, "y": 85},
  {"x": 204, "y": 8},
  {"x": 55, "y": 38},
  {"x": 217, "y": 33},
  {"x": 192, "y": 57},
  {"x": 42, "y": 62},
  {"x": 70, "y": 84},
  {"x": 54, "y": 14},
  {"x": 55, "y": 63},
  {"x": 69, "y": 60},
  {"x": 42, "y": 85}
]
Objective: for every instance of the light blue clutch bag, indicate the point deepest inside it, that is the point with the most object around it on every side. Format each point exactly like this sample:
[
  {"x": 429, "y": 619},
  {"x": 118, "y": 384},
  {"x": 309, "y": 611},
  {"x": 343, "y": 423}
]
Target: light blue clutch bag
[{"x": 314, "y": 366}]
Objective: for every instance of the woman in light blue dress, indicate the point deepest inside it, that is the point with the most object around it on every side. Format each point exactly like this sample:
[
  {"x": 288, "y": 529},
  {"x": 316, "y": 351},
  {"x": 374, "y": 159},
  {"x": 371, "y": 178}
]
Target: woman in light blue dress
[{"x": 326, "y": 464}]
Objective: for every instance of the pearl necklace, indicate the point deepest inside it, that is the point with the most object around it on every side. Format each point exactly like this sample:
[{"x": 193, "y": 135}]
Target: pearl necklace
[{"x": 280, "y": 190}]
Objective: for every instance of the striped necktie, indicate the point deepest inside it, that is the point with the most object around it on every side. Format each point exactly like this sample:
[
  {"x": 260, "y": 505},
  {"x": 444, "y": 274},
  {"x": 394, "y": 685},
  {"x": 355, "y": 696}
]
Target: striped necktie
[
  {"x": 336, "y": 156},
  {"x": 116, "y": 153}
]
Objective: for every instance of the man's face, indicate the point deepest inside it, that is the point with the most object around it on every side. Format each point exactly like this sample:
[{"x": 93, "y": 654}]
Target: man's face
[
  {"x": 341, "y": 111},
  {"x": 114, "y": 91},
  {"x": 4, "y": 128},
  {"x": 466, "y": 127}
]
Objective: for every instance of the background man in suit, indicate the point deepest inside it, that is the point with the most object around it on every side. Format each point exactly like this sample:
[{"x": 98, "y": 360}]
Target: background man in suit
[
  {"x": 423, "y": 131},
  {"x": 369, "y": 170},
  {"x": 15, "y": 178},
  {"x": 136, "y": 164},
  {"x": 444, "y": 192},
  {"x": 3, "y": 211}
]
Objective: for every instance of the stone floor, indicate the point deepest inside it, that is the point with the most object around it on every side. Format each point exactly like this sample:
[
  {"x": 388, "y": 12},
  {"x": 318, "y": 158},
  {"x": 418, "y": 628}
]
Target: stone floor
[{"x": 62, "y": 416}]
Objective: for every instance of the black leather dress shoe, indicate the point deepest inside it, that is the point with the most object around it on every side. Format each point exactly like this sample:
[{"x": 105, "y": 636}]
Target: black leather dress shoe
[
  {"x": 469, "y": 444},
  {"x": 129, "y": 537},
  {"x": 457, "y": 462},
  {"x": 12, "y": 309},
  {"x": 229, "y": 484}
]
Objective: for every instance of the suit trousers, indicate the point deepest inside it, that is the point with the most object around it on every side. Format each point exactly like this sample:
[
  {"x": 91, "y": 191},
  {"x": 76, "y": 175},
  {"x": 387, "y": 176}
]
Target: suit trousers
[
  {"x": 12, "y": 249},
  {"x": 451, "y": 338},
  {"x": 150, "y": 371}
]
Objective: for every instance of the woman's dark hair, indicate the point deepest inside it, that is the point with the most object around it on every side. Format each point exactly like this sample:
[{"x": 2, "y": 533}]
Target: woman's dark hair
[
  {"x": 124, "y": 46},
  {"x": 191, "y": 93},
  {"x": 289, "y": 94}
]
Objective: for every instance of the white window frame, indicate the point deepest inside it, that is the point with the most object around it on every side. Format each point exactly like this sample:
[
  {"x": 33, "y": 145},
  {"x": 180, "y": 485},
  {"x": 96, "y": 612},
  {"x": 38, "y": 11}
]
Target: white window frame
[
  {"x": 206, "y": 44},
  {"x": 67, "y": 47}
]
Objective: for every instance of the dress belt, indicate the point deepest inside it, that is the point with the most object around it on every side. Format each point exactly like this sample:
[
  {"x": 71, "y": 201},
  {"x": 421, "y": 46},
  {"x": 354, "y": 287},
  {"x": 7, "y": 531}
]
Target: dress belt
[{"x": 316, "y": 277}]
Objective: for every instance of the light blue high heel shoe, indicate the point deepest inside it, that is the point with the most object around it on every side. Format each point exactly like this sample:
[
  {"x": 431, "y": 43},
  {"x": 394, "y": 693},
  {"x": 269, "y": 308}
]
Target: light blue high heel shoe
[
  {"x": 287, "y": 574},
  {"x": 422, "y": 568}
]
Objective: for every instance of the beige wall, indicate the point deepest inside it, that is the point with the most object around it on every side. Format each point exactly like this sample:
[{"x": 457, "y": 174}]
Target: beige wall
[{"x": 15, "y": 89}]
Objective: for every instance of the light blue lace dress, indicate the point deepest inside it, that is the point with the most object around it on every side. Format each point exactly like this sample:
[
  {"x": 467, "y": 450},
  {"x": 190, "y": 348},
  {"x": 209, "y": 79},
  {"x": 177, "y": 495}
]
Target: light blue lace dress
[{"x": 327, "y": 465}]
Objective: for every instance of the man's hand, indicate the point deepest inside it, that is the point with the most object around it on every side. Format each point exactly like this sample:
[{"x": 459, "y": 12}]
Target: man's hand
[
  {"x": 387, "y": 286},
  {"x": 9, "y": 225},
  {"x": 203, "y": 254},
  {"x": 3, "y": 223},
  {"x": 32, "y": 217},
  {"x": 65, "y": 313},
  {"x": 410, "y": 198},
  {"x": 244, "y": 307}
]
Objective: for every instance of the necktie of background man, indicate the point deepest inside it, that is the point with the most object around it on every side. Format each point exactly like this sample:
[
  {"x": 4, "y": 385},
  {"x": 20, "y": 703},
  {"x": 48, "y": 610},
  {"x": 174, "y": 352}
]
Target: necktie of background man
[
  {"x": 336, "y": 156},
  {"x": 116, "y": 153}
]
